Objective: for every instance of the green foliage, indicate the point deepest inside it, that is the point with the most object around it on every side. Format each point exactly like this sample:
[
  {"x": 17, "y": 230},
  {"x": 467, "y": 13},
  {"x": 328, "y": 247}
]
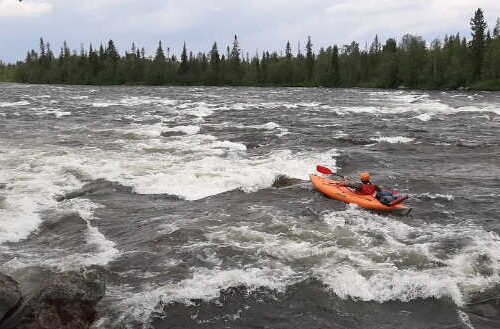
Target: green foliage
[
  {"x": 7, "y": 72},
  {"x": 451, "y": 63}
]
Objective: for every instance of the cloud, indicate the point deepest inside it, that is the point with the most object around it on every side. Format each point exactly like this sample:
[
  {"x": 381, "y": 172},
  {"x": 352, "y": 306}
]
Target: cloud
[
  {"x": 259, "y": 24},
  {"x": 14, "y": 8}
]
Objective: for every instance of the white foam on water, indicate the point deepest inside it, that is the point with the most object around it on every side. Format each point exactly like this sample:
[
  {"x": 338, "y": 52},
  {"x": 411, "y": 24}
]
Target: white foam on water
[
  {"x": 274, "y": 105},
  {"x": 105, "y": 104},
  {"x": 391, "y": 284},
  {"x": 465, "y": 319},
  {"x": 142, "y": 131},
  {"x": 357, "y": 109},
  {"x": 31, "y": 179},
  {"x": 421, "y": 104},
  {"x": 269, "y": 126},
  {"x": 58, "y": 113},
  {"x": 311, "y": 104},
  {"x": 132, "y": 101},
  {"x": 424, "y": 117},
  {"x": 18, "y": 217},
  {"x": 273, "y": 126},
  {"x": 106, "y": 249},
  {"x": 14, "y": 104},
  {"x": 190, "y": 166},
  {"x": 210, "y": 175},
  {"x": 427, "y": 195},
  {"x": 198, "y": 109},
  {"x": 392, "y": 139},
  {"x": 239, "y": 107},
  {"x": 206, "y": 285},
  {"x": 372, "y": 271},
  {"x": 100, "y": 250},
  {"x": 262, "y": 244}
]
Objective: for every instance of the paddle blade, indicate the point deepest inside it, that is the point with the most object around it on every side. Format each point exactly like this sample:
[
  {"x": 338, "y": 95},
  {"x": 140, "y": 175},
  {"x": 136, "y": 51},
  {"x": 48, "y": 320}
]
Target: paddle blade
[{"x": 324, "y": 170}]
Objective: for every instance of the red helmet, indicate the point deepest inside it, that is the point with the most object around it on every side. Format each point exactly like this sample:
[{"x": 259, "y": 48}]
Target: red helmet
[{"x": 365, "y": 177}]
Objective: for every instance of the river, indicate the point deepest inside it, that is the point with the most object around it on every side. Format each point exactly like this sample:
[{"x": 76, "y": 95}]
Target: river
[{"x": 182, "y": 217}]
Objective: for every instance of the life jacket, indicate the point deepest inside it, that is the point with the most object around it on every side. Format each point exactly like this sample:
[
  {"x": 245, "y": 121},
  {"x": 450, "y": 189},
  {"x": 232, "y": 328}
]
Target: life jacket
[{"x": 367, "y": 189}]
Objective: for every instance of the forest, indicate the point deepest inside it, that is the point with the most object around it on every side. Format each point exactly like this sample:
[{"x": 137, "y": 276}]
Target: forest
[{"x": 410, "y": 62}]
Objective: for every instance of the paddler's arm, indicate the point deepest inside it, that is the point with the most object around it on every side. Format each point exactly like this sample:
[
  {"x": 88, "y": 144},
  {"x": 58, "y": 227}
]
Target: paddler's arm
[{"x": 353, "y": 185}]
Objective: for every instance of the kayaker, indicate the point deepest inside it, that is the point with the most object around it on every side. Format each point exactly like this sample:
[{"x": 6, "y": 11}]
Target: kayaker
[{"x": 366, "y": 187}]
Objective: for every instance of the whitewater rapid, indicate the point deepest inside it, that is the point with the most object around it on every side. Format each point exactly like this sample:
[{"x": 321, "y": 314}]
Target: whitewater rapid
[{"x": 185, "y": 188}]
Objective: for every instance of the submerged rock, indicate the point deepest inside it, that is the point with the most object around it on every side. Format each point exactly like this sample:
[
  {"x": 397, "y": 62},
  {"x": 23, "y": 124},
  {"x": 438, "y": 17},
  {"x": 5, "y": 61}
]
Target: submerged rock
[
  {"x": 172, "y": 133},
  {"x": 57, "y": 300},
  {"x": 10, "y": 296},
  {"x": 283, "y": 181},
  {"x": 99, "y": 185}
]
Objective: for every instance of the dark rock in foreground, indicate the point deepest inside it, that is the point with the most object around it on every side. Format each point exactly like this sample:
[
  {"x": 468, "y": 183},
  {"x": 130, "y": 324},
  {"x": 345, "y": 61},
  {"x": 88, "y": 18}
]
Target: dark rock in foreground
[
  {"x": 56, "y": 300},
  {"x": 10, "y": 296}
]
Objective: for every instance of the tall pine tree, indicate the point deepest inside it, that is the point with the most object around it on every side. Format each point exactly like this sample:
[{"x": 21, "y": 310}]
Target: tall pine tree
[{"x": 478, "y": 27}]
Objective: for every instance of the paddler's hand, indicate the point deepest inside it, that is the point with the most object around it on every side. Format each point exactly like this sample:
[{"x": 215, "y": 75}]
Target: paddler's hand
[{"x": 346, "y": 181}]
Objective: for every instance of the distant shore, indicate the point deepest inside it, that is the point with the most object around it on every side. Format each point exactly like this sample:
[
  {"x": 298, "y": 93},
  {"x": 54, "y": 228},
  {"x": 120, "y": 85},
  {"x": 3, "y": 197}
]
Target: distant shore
[
  {"x": 411, "y": 62},
  {"x": 476, "y": 87}
]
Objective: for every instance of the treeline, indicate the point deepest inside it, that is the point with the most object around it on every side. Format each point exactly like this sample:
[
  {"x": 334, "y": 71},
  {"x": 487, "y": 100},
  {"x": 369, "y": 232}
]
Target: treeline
[{"x": 452, "y": 63}]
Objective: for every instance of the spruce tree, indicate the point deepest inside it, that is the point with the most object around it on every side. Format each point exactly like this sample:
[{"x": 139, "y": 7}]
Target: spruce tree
[
  {"x": 496, "y": 30},
  {"x": 160, "y": 55},
  {"x": 288, "y": 51},
  {"x": 236, "y": 72},
  {"x": 309, "y": 58},
  {"x": 335, "y": 67},
  {"x": 183, "y": 68},
  {"x": 111, "y": 51},
  {"x": 235, "y": 52},
  {"x": 215, "y": 64},
  {"x": 42, "y": 48},
  {"x": 478, "y": 27}
]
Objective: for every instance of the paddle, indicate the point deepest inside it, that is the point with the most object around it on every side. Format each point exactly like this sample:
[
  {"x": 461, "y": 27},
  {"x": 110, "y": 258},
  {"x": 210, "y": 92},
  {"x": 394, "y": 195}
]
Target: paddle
[{"x": 326, "y": 171}]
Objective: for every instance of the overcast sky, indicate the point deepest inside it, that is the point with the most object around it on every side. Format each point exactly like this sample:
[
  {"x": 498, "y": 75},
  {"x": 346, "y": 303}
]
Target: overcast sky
[{"x": 259, "y": 24}]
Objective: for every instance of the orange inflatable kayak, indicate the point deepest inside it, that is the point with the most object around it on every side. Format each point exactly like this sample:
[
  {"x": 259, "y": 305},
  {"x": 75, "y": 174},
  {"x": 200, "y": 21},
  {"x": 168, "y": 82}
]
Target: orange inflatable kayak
[{"x": 333, "y": 189}]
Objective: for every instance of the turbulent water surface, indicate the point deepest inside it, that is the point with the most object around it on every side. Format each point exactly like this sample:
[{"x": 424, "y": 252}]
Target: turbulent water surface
[{"x": 170, "y": 192}]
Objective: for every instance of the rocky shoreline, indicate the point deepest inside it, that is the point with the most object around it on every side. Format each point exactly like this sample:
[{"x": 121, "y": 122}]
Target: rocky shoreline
[{"x": 44, "y": 299}]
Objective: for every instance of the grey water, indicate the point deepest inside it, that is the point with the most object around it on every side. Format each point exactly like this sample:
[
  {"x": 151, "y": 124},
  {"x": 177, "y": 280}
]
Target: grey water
[{"x": 170, "y": 192}]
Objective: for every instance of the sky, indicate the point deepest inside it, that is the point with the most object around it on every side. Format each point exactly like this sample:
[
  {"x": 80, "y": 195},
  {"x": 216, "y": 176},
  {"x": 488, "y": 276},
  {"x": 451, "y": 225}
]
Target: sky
[{"x": 259, "y": 24}]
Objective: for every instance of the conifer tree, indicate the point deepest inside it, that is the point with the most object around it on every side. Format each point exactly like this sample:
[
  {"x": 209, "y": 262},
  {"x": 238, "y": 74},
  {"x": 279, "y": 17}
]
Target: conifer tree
[
  {"x": 214, "y": 64},
  {"x": 160, "y": 55},
  {"x": 183, "y": 68},
  {"x": 335, "y": 67},
  {"x": 288, "y": 51},
  {"x": 42, "y": 48},
  {"x": 111, "y": 51},
  {"x": 496, "y": 29},
  {"x": 309, "y": 58},
  {"x": 478, "y": 27},
  {"x": 235, "y": 59}
]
